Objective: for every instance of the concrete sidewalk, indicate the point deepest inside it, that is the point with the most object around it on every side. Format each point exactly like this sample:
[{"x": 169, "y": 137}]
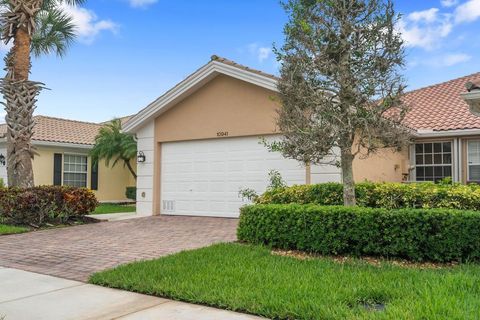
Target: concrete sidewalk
[
  {"x": 117, "y": 216},
  {"x": 27, "y": 295}
]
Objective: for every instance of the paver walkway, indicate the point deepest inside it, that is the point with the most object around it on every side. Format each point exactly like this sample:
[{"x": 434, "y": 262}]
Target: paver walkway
[
  {"x": 25, "y": 295},
  {"x": 76, "y": 252}
]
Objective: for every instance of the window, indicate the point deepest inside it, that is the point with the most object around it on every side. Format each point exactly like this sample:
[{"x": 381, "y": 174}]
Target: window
[
  {"x": 473, "y": 160},
  {"x": 75, "y": 170},
  {"x": 433, "y": 161}
]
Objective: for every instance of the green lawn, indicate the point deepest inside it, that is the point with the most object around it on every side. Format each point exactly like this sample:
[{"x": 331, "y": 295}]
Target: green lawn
[
  {"x": 113, "y": 208},
  {"x": 250, "y": 279},
  {"x": 6, "y": 229}
]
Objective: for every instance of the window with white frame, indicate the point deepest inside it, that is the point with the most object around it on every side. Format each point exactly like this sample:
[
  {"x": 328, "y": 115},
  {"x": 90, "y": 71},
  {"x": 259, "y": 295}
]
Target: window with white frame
[
  {"x": 75, "y": 170},
  {"x": 433, "y": 161},
  {"x": 473, "y": 158}
]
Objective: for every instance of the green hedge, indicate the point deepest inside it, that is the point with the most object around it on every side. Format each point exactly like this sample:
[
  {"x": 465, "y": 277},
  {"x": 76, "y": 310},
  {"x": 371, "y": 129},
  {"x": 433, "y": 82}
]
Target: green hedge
[
  {"x": 131, "y": 193},
  {"x": 381, "y": 195},
  {"x": 45, "y": 204},
  {"x": 439, "y": 235}
]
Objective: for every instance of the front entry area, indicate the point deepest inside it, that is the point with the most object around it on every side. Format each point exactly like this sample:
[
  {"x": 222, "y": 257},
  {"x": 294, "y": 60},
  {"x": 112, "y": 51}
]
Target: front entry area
[{"x": 203, "y": 177}]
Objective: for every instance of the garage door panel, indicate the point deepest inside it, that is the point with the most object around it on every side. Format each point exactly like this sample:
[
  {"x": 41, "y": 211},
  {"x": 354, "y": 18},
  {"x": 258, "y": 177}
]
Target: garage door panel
[{"x": 204, "y": 177}]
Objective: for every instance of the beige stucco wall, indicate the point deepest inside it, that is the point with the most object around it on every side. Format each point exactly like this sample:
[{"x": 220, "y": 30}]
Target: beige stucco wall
[
  {"x": 111, "y": 181},
  {"x": 224, "y": 104},
  {"x": 387, "y": 165}
]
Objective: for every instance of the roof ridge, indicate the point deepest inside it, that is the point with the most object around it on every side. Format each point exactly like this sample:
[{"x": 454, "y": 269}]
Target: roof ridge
[
  {"x": 442, "y": 83},
  {"x": 69, "y": 120},
  {"x": 240, "y": 66}
]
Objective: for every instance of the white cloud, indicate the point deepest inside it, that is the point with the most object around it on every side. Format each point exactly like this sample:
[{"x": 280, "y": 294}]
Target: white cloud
[
  {"x": 88, "y": 26},
  {"x": 425, "y": 29},
  {"x": 447, "y": 60},
  {"x": 261, "y": 53},
  {"x": 428, "y": 16},
  {"x": 141, "y": 3},
  {"x": 264, "y": 53},
  {"x": 455, "y": 58},
  {"x": 449, "y": 3},
  {"x": 468, "y": 11}
]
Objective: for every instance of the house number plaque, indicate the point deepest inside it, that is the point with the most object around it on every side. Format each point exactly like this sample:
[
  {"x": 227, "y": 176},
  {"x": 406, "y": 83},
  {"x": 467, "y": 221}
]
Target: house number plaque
[{"x": 222, "y": 134}]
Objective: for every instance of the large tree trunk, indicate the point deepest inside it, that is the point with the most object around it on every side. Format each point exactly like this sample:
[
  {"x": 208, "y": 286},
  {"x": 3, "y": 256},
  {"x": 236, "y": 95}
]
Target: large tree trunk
[
  {"x": 347, "y": 176},
  {"x": 20, "y": 105}
]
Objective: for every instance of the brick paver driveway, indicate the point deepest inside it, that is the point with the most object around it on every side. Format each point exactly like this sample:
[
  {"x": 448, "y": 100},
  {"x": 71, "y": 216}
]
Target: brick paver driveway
[{"x": 76, "y": 252}]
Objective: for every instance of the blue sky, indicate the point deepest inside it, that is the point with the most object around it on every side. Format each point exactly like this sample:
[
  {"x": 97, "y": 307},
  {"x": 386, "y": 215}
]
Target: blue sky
[{"x": 131, "y": 51}]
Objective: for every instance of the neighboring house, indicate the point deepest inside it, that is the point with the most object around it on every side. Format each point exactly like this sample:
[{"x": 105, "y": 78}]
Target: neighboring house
[
  {"x": 201, "y": 142},
  {"x": 63, "y": 146},
  {"x": 447, "y": 134}
]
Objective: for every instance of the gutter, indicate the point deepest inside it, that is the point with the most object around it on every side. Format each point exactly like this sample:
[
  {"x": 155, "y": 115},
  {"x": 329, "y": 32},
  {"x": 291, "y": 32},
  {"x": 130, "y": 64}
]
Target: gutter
[{"x": 447, "y": 133}]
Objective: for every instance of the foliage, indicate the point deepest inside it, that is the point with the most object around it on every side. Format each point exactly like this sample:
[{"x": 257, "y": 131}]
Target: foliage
[
  {"x": 113, "y": 144},
  {"x": 105, "y": 208},
  {"x": 340, "y": 85},
  {"x": 131, "y": 193},
  {"x": 276, "y": 183},
  {"x": 248, "y": 194},
  {"x": 276, "y": 180},
  {"x": 439, "y": 235},
  {"x": 381, "y": 195},
  {"x": 38, "y": 206},
  {"x": 251, "y": 279}
]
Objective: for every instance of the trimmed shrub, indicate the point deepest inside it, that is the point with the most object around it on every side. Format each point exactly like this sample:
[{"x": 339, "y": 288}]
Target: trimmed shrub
[
  {"x": 45, "y": 204},
  {"x": 131, "y": 193},
  {"x": 381, "y": 195},
  {"x": 439, "y": 235}
]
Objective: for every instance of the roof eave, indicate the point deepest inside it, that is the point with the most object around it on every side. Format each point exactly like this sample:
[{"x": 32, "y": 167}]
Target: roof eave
[
  {"x": 57, "y": 144},
  {"x": 446, "y": 133}
]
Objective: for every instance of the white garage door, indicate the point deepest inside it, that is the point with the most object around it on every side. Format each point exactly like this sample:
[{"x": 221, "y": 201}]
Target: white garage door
[{"x": 203, "y": 177}]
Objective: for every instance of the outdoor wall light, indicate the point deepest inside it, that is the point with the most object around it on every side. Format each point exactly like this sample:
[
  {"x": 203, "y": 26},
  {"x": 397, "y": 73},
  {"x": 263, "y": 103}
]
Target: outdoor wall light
[
  {"x": 140, "y": 157},
  {"x": 2, "y": 160}
]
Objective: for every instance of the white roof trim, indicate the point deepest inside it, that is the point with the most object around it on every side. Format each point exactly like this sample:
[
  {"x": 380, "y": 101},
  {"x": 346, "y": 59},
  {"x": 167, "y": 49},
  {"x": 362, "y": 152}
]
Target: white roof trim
[
  {"x": 56, "y": 144},
  {"x": 448, "y": 133},
  {"x": 191, "y": 84}
]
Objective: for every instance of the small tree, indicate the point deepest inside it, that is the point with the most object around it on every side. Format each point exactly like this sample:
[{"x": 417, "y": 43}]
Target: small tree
[
  {"x": 340, "y": 83},
  {"x": 113, "y": 144}
]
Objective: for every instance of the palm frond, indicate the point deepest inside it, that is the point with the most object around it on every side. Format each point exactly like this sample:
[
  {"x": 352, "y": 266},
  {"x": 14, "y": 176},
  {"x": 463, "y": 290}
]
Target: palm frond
[
  {"x": 51, "y": 4},
  {"x": 111, "y": 144},
  {"x": 54, "y": 32}
]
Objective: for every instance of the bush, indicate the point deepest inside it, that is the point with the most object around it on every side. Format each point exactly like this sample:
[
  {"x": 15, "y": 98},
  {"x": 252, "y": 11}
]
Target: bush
[
  {"x": 131, "y": 193},
  {"x": 381, "y": 195},
  {"x": 438, "y": 235},
  {"x": 45, "y": 204}
]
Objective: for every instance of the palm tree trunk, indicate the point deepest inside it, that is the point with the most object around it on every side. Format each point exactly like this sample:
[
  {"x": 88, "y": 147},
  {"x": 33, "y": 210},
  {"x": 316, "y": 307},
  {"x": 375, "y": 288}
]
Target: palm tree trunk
[
  {"x": 129, "y": 166},
  {"x": 20, "y": 106}
]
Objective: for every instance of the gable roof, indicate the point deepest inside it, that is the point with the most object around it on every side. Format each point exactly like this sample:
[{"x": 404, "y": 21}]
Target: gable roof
[
  {"x": 196, "y": 80},
  {"x": 56, "y": 130},
  {"x": 440, "y": 107}
]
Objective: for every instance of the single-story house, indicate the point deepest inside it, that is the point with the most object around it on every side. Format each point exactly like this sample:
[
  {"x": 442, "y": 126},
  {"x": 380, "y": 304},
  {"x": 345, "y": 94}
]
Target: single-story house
[
  {"x": 201, "y": 142},
  {"x": 62, "y": 148}
]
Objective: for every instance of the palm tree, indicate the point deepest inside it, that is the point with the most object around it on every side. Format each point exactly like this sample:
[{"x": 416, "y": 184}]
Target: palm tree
[
  {"x": 113, "y": 144},
  {"x": 36, "y": 27}
]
